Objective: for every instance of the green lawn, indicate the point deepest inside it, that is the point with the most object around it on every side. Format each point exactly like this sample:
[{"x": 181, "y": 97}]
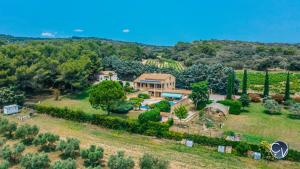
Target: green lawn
[
  {"x": 136, "y": 145},
  {"x": 277, "y": 80},
  {"x": 255, "y": 126},
  {"x": 78, "y": 101}
]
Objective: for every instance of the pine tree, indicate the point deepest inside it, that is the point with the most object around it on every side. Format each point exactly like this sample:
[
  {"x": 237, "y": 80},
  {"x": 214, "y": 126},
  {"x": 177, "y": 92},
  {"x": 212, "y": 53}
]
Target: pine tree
[
  {"x": 287, "y": 88},
  {"x": 266, "y": 85},
  {"x": 245, "y": 80},
  {"x": 229, "y": 86}
]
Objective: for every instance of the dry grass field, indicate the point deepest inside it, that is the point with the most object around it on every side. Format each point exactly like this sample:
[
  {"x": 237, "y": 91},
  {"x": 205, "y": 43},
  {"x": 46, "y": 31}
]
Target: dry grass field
[{"x": 180, "y": 157}]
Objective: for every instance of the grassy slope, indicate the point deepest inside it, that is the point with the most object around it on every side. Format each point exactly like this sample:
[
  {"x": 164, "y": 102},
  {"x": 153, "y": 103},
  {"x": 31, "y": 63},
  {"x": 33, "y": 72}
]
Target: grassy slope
[
  {"x": 277, "y": 80},
  {"x": 135, "y": 145},
  {"x": 258, "y": 126}
]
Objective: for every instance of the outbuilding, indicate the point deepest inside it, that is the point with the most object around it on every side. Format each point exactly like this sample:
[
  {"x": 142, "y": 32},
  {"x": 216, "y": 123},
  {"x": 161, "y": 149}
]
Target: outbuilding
[{"x": 11, "y": 109}]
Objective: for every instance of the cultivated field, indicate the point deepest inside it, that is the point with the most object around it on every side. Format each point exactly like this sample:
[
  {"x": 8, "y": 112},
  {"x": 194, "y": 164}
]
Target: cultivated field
[
  {"x": 277, "y": 80},
  {"x": 165, "y": 63},
  {"x": 135, "y": 145}
]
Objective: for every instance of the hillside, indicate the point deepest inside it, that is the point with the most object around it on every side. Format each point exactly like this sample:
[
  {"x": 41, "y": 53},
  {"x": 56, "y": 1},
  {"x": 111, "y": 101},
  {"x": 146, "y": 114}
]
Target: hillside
[{"x": 236, "y": 54}]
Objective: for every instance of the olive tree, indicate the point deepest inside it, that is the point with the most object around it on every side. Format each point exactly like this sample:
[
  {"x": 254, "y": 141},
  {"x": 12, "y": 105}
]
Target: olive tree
[
  {"x": 27, "y": 133},
  {"x": 46, "y": 141},
  {"x": 119, "y": 161},
  {"x": 35, "y": 161},
  {"x": 150, "y": 162},
  {"x": 64, "y": 164},
  {"x": 70, "y": 148},
  {"x": 7, "y": 128},
  {"x": 14, "y": 154},
  {"x": 92, "y": 156}
]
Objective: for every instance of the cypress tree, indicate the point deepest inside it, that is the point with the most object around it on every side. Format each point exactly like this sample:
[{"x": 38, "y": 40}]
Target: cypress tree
[
  {"x": 245, "y": 80},
  {"x": 287, "y": 88},
  {"x": 229, "y": 86},
  {"x": 266, "y": 85}
]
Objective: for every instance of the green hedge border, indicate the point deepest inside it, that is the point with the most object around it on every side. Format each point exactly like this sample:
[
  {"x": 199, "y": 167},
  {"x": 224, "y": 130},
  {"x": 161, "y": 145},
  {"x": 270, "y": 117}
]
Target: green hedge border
[{"x": 160, "y": 130}]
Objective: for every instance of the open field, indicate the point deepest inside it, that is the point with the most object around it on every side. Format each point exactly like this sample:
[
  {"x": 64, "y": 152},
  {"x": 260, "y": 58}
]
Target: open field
[
  {"x": 135, "y": 145},
  {"x": 277, "y": 80},
  {"x": 165, "y": 63},
  {"x": 255, "y": 126}
]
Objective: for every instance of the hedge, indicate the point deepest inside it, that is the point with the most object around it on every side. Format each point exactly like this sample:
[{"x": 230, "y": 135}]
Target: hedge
[
  {"x": 150, "y": 128},
  {"x": 150, "y": 115},
  {"x": 234, "y": 106}
]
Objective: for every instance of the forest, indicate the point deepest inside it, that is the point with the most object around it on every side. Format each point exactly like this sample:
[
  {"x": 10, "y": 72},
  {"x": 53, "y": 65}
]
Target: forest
[{"x": 72, "y": 63}]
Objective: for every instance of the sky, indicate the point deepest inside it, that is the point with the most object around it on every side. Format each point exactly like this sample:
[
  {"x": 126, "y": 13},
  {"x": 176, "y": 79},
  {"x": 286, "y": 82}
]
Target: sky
[{"x": 158, "y": 22}]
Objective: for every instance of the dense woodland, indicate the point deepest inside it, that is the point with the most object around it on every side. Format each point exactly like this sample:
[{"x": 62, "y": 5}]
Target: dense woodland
[{"x": 70, "y": 64}]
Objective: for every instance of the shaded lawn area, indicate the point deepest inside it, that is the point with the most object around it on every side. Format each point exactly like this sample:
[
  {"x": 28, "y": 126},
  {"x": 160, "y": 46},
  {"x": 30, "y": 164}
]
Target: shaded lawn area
[
  {"x": 135, "y": 145},
  {"x": 255, "y": 126}
]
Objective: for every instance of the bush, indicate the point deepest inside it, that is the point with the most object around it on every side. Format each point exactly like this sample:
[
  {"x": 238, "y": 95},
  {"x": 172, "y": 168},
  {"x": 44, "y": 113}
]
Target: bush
[
  {"x": 242, "y": 148},
  {"x": 121, "y": 107},
  {"x": 255, "y": 97},
  {"x": 272, "y": 107},
  {"x": 65, "y": 164},
  {"x": 278, "y": 97},
  {"x": 170, "y": 121},
  {"x": 150, "y": 115},
  {"x": 69, "y": 148},
  {"x": 27, "y": 133},
  {"x": 4, "y": 165},
  {"x": 234, "y": 106},
  {"x": 92, "y": 156},
  {"x": 119, "y": 161},
  {"x": 13, "y": 155},
  {"x": 163, "y": 106},
  {"x": 7, "y": 128},
  {"x": 150, "y": 162},
  {"x": 297, "y": 99},
  {"x": 35, "y": 161},
  {"x": 47, "y": 141},
  {"x": 144, "y": 96}
]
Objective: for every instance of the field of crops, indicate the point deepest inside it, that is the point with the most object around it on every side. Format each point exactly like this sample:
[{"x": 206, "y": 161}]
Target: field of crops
[
  {"x": 165, "y": 63},
  {"x": 277, "y": 81}
]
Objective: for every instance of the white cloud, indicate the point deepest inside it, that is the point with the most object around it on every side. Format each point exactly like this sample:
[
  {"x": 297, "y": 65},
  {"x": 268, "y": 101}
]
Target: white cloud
[
  {"x": 78, "y": 30},
  {"x": 48, "y": 34},
  {"x": 125, "y": 30}
]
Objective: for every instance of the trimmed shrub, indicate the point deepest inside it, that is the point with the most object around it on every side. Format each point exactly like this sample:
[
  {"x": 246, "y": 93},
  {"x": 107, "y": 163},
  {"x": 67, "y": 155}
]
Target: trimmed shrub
[
  {"x": 272, "y": 107},
  {"x": 150, "y": 115},
  {"x": 278, "y": 97},
  {"x": 121, "y": 107},
  {"x": 170, "y": 121},
  {"x": 255, "y": 97},
  {"x": 297, "y": 99},
  {"x": 242, "y": 148},
  {"x": 150, "y": 162},
  {"x": 144, "y": 96},
  {"x": 234, "y": 106}
]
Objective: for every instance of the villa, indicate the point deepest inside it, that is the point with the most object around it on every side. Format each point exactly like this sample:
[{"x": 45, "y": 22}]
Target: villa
[
  {"x": 107, "y": 75},
  {"x": 159, "y": 85}
]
